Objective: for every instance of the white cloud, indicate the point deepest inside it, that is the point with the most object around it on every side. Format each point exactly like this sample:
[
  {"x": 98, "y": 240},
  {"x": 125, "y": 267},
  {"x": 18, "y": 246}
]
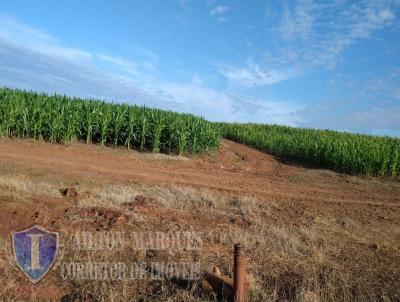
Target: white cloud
[
  {"x": 297, "y": 22},
  {"x": 385, "y": 85},
  {"x": 148, "y": 54},
  {"x": 32, "y": 59},
  {"x": 307, "y": 34},
  {"x": 255, "y": 110},
  {"x": 319, "y": 32},
  {"x": 253, "y": 75},
  {"x": 116, "y": 60},
  {"x": 228, "y": 106},
  {"x": 80, "y": 73},
  {"x": 374, "y": 119},
  {"x": 36, "y": 40},
  {"x": 122, "y": 64},
  {"x": 219, "y": 10}
]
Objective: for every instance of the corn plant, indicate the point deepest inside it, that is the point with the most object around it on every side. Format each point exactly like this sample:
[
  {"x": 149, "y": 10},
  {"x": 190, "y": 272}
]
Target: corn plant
[
  {"x": 130, "y": 130},
  {"x": 60, "y": 119},
  {"x": 119, "y": 122},
  {"x": 339, "y": 151},
  {"x": 104, "y": 123}
]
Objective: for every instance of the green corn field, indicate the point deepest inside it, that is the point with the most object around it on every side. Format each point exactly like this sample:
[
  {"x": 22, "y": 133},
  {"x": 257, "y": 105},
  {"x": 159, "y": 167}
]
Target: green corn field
[
  {"x": 339, "y": 151},
  {"x": 61, "y": 119}
]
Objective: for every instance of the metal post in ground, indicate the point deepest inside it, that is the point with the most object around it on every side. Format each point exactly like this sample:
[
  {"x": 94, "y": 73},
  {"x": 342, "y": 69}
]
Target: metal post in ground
[{"x": 239, "y": 273}]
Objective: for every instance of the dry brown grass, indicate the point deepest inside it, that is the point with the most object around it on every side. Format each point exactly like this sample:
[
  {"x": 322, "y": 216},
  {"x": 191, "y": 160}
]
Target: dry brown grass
[
  {"x": 21, "y": 185},
  {"x": 320, "y": 256}
]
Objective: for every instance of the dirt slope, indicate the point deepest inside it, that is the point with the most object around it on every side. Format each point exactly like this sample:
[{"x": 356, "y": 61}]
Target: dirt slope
[{"x": 236, "y": 168}]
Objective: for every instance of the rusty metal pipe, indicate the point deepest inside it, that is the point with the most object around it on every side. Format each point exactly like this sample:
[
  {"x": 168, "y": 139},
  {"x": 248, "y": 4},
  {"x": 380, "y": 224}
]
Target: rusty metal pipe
[{"x": 239, "y": 273}]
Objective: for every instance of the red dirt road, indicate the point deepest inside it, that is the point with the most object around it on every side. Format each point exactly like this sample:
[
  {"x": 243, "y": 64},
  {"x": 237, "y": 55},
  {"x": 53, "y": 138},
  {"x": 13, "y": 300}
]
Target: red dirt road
[{"x": 236, "y": 168}]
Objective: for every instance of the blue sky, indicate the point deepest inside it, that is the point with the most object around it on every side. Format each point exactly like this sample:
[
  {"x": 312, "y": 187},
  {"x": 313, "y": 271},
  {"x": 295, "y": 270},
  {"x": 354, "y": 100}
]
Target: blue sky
[{"x": 322, "y": 64}]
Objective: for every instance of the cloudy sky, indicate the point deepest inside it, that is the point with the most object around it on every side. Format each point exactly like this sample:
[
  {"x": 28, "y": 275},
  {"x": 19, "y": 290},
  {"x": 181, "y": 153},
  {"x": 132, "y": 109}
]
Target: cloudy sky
[{"x": 323, "y": 64}]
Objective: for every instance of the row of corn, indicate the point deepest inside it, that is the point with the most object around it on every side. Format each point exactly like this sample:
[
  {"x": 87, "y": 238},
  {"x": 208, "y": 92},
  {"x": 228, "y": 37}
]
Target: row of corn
[
  {"x": 60, "y": 119},
  {"x": 339, "y": 151}
]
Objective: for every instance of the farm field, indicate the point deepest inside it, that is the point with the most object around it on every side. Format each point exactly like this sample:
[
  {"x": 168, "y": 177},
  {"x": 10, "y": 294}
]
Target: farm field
[
  {"x": 61, "y": 119},
  {"x": 310, "y": 234},
  {"x": 200, "y": 151},
  {"x": 339, "y": 151}
]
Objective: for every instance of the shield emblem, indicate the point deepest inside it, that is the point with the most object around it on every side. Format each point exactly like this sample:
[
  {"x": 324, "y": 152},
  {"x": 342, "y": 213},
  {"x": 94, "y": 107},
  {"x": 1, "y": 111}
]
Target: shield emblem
[{"x": 35, "y": 251}]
